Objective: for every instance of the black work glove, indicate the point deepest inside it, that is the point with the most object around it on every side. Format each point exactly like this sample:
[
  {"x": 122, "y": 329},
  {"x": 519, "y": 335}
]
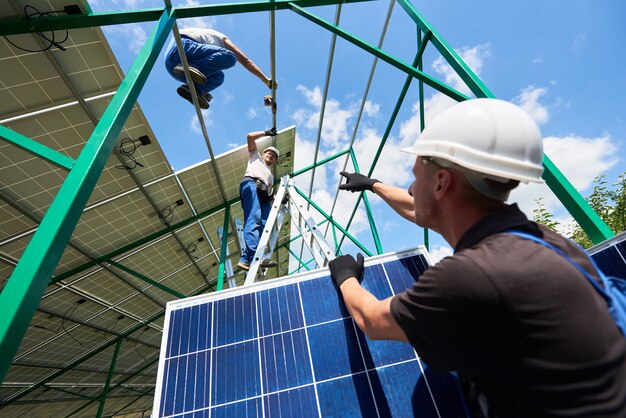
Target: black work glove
[
  {"x": 356, "y": 182},
  {"x": 269, "y": 83},
  {"x": 345, "y": 266},
  {"x": 271, "y": 132}
]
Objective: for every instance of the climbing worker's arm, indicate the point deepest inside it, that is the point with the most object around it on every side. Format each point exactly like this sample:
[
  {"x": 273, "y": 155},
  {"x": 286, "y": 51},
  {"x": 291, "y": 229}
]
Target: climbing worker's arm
[
  {"x": 371, "y": 315},
  {"x": 246, "y": 62},
  {"x": 252, "y": 137}
]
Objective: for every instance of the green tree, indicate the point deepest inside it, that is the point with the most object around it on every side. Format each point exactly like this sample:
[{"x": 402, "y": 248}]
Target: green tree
[
  {"x": 542, "y": 216},
  {"x": 609, "y": 204}
]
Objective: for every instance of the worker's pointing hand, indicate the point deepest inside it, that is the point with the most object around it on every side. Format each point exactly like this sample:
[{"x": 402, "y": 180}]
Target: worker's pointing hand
[
  {"x": 356, "y": 182},
  {"x": 344, "y": 267}
]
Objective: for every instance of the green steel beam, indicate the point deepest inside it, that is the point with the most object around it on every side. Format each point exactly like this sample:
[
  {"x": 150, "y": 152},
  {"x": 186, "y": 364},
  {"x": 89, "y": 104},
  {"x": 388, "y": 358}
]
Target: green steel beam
[
  {"x": 299, "y": 235},
  {"x": 392, "y": 120},
  {"x": 105, "y": 391},
  {"x": 147, "y": 279},
  {"x": 69, "y": 392},
  {"x": 129, "y": 404},
  {"x": 343, "y": 231},
  {"x": 36, "y": 149},
  {"x": 337, "y": 250},
  {"x": 577, "y": 206},
  {"x": 299, "y": 260},
  {"x": 97, "y": 351},
  {"x": 368, "y": 210},
  {"x": 140, "y": 242},
  {"x": 298, "y": 269},
  {"x": 116, "y": 386},
  {"x": 23, "y": 290},
  {"x": 319, "y": 163},
  {"x": 223, "y": 250},
  {"x": 463, "y": 70},
  {"x": 413, "y": 72},
  {"x": 422, "y": 44},
  {"x": 45, "y": 24}
]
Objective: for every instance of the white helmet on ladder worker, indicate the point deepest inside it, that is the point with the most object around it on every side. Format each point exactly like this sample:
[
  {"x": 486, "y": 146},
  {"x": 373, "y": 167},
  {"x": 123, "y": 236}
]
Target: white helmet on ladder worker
[{"x": 486, "y": 139}]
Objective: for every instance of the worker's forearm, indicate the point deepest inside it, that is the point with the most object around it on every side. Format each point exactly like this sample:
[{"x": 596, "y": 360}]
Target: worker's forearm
[
  {"x": 254, "y": 69},
  {"x": 252, "y": 137},
  {"x": 397, "y": 198},
  {"x": 371, "y": 315}
]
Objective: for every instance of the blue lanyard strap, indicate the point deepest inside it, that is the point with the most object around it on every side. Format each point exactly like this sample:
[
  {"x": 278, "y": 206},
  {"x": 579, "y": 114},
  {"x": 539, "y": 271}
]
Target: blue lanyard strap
[{"x": 572, "y": 262}]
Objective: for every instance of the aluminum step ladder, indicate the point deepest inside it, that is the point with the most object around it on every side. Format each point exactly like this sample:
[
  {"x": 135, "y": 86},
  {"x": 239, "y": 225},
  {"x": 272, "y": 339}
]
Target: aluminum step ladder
[{"x": 287, "y": 200}]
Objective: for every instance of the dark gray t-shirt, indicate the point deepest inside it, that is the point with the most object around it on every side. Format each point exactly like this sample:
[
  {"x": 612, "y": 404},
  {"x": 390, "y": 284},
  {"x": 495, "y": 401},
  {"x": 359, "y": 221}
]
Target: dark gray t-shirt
[{"x": 520, "y": 322}]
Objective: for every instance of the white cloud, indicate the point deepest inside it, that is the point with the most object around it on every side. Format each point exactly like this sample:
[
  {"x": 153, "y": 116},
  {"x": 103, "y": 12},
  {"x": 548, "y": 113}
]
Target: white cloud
[
  {"x": 195, "y": 22},
  {"x": 537, "y": 60},
  {"x": 528, "y": 100},
  {"x": 474, "y": 57},
  {"x": 232, "y": 145},
  {"x": 389, "y": 225},
  {"x": 579, "y": 42},
  {"x": 194, "y": 124},
  {"x": 438, "y": 102},
  {"x": 228, "y": 96},
  {"x": 392, "y": 167},
  {"x": 371, "y": 109},
  {"x": 410, "y": 128},
  {"x": 251, "y": 113},
  {"x": 336, "y": 119},
  {"x": 439, "y": 253},
  {"x": 579, "y": 159},
  {"x": 132, "y": 35}
]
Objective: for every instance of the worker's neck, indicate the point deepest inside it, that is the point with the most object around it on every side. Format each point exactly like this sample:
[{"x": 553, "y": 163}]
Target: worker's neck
[{"x": 457, "y": 219}]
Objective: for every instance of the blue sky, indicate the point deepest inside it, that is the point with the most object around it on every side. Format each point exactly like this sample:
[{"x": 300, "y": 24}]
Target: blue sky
[{"x": 561, "y": 60}]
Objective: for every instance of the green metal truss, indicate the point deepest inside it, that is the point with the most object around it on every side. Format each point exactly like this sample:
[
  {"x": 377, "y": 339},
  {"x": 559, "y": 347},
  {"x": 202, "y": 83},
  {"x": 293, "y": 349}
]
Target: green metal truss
[{"x": 21, "y": 295}]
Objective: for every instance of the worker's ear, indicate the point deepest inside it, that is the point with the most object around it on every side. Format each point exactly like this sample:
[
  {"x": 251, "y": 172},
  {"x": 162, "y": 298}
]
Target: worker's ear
[{"x": 443, "y": 182}]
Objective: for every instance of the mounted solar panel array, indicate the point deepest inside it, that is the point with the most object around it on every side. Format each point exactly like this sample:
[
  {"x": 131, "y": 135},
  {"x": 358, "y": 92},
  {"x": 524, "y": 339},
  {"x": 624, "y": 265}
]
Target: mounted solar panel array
[
  {"x": 610, "y": 256},
  {"x": 288, "y": 347}
]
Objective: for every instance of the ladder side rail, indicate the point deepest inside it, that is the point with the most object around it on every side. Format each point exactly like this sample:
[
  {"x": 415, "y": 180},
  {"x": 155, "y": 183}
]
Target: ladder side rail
[
  {"x": 265, "y": 236},
  {"x": 325, "y": 253}
]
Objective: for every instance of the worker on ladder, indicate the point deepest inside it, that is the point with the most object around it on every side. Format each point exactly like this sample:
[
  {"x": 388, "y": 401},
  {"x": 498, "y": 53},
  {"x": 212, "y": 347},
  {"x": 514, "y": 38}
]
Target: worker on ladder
[{"x": 256, "y": 192}]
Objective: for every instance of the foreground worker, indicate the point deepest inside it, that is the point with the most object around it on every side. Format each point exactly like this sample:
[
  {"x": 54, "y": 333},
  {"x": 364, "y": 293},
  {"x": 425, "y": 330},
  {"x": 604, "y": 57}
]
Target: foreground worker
[
  {"x": 256, "y": 192},
  {"x": 528, "y": 334}
]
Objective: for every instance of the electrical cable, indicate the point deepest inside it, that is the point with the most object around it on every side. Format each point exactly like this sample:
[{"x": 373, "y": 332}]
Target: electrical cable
[
  {"x": 127, "y": 148},
  {"x": 65, "y": 315},
  {"x": 43, "y": 15}
]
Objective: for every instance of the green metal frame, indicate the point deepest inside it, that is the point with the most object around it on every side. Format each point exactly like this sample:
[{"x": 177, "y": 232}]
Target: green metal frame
[
  {"x": 22, "y": 292},
  {"x": 368, "y": 208},
  {"x": 105, "y": 391},
  {"x": 147, "y": 279},
  {"x": 24, "y": 289},
  {"x": 223, "y": 250},
  {"x": 36, "y": 149}
]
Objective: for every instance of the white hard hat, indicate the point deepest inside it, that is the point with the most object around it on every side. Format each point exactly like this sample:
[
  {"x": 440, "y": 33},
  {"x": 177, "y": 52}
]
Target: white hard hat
[
  {"x": 274, "y": 150},
  {"x": 488, "y": 136}
]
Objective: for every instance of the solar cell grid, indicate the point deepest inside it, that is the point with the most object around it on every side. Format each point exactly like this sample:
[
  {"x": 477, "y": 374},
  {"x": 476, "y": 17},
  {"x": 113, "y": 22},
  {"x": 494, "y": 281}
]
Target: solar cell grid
[
  {"x": 610, "y": 256},
  {"x": 288, "y": 347}
]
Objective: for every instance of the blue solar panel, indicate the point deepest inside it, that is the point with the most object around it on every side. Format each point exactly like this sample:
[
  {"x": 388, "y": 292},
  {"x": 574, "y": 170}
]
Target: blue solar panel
[
  {"x": 610, "y": 256},
  {"x": 288, "y": 348}
]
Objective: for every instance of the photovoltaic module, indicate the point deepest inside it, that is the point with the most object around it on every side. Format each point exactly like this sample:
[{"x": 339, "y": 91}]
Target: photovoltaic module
[{"x": 289, "y": 348}]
